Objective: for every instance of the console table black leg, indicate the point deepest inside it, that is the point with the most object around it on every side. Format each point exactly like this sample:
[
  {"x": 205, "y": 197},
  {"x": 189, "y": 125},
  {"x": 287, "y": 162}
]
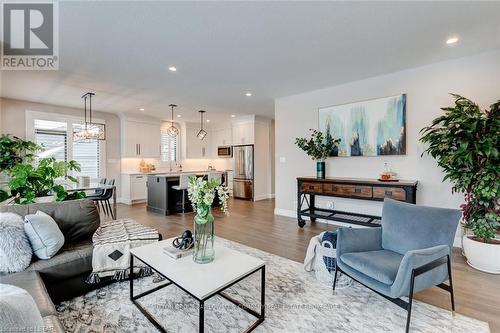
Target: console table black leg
[
  {"x": 201, "y": 324},
  {"x": 312, "y": 204},
  {"x": 301, "y": 221}
]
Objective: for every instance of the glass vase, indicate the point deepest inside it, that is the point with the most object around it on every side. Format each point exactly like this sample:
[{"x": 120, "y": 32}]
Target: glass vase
[{"x": 204, "y": 236}]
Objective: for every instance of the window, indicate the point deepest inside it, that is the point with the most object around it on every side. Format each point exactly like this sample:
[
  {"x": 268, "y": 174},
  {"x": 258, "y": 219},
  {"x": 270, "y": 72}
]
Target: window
[
  {"x": 87, "y": 153},
  {"x": 56, "y": 136},
  {"x": 168, "y": 145},
  {"x": 52, "y": 135}
]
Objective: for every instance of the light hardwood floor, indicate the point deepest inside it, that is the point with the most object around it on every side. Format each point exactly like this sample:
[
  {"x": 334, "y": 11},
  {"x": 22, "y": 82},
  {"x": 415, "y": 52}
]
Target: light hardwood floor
[{"x": 254, "y": 224}]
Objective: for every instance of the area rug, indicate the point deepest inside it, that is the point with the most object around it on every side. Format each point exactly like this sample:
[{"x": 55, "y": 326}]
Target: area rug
[{"x": 295, "y": 302}]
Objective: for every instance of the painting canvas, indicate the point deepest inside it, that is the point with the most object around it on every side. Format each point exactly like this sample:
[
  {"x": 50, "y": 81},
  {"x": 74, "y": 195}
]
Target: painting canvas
[{"x": 369, "y": 128}]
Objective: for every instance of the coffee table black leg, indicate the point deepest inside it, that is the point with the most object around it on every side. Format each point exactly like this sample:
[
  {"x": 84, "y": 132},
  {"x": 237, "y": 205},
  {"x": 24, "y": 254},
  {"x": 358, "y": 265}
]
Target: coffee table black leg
[
  {"x": 131, "y": 277},
  {"x": 263, "y": 293},
  {"x": 201, "y": 327}
]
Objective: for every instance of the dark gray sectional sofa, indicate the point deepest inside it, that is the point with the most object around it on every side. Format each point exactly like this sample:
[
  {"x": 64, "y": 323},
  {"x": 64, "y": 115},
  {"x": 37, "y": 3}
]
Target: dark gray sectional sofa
[{"x": 63, "y": 276}]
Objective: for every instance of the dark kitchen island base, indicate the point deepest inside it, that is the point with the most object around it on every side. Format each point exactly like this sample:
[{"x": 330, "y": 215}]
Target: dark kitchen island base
[{"x": 163, "y": 199}]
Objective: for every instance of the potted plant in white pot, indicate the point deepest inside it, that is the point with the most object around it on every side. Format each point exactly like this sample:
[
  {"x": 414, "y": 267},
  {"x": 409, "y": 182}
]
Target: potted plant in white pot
[
  {"x": 318, "y": 147},
  {"x": 465, "y": 141}
]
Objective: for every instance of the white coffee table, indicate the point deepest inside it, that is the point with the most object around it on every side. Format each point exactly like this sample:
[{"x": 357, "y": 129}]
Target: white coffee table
[{"x": 200, "y": 281}]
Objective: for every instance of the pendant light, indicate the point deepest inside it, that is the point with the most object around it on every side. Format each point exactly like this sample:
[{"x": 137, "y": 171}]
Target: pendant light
[
  {"x": 89, "y": 131},
  {"x": 172, "y": 130},
  {"x": 202, "y": 133}
]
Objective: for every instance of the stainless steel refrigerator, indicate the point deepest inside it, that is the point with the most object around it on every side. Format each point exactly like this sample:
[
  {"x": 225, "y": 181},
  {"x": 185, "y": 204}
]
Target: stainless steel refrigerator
[{"x": 243, "y": 172}]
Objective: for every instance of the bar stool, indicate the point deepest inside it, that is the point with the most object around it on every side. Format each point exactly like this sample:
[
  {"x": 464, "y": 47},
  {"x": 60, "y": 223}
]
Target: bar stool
[{"x": 183, "y": 186}]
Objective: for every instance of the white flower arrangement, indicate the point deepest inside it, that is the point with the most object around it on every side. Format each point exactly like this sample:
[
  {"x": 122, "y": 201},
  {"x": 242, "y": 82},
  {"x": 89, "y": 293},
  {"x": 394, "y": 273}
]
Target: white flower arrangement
[{"x": 202, "y": 192}]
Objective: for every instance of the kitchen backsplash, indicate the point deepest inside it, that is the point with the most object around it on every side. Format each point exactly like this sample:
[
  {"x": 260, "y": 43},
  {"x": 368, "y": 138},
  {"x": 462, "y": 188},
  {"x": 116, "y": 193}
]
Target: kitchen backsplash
[{"x": 130, "y": 165}]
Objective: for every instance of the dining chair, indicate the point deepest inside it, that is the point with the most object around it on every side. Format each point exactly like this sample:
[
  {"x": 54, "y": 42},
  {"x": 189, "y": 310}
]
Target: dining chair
[{"x": 103, "y": 199}]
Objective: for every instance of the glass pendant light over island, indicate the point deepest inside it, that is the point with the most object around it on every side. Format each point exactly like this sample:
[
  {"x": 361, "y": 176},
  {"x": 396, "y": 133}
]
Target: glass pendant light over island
[
  {"x": 202, "y": 133},
  {"x": 172, "y": 130}
]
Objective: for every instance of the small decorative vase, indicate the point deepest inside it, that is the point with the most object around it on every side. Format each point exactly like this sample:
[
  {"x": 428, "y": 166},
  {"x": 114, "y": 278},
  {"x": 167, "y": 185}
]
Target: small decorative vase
[
  {"x": 320, "y": 169},
  {"x": 203, "y": 235}
]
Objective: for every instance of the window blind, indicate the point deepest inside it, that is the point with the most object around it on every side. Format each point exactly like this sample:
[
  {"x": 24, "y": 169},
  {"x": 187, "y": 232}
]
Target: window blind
[{"x": 168, "y": 146}]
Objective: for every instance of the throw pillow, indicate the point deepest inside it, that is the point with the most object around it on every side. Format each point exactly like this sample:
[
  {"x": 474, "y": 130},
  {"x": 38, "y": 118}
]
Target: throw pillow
[
  {"x": 18, "y": 310},
  {"x": 15, "y": 249},
  {"x": 44, "y": 234}
]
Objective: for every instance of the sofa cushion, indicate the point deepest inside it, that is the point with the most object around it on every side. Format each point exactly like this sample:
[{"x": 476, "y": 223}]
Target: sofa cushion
[
  {"x": 73, "y": 259},
  {"x": 15, "y": 248},
  {"x": 381, "y": 265},
  {"x": 18, "y": 310},
  {"x": 77, "y": 219},
  {"x": 44, "y": 234},
  {"x": 33, "y": 284}
]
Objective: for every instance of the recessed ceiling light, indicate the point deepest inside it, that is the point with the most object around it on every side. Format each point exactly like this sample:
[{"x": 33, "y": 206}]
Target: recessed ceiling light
[
  {"x": 233, "y": 116},
  {"x": 141, "y": 109},
  {"x": 248, "y": 94},
  {"x": 178, "y": 116},
  {"x": 172, "y": 69},
  {"x": 208, "y": 120},
  {"x": 452, "y": 40}
]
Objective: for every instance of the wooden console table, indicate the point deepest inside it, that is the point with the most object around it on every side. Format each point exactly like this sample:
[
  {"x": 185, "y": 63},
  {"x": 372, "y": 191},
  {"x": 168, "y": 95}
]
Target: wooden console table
[{"x": 352, "y": 188}]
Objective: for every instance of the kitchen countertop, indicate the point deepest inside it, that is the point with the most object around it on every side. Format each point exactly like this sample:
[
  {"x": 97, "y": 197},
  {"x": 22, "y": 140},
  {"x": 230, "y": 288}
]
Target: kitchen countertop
[{"x": 171, "y": 173}]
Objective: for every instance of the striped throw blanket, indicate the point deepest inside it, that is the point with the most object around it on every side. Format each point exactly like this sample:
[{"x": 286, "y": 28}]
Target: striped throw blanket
[{"x": 112, "y": 243}]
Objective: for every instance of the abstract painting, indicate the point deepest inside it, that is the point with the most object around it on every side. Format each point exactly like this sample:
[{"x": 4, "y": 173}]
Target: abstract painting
[{"x": 369, "y": 128}]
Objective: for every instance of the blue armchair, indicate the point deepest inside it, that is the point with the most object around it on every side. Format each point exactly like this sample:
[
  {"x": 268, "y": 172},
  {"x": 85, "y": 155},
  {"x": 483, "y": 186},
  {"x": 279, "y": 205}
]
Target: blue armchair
[{"x": 409, "y": 253}]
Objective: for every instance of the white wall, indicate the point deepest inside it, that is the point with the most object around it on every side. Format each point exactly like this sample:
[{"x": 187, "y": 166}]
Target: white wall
[
  {"x": 476, "y": 77},
  {"x": 13, "y": 120}
]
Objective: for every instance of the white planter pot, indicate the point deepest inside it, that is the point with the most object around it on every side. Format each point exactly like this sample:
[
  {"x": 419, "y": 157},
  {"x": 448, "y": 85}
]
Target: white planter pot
[
  {"x": 482, "y": 256},
  {"x": 49, "y": 198}
]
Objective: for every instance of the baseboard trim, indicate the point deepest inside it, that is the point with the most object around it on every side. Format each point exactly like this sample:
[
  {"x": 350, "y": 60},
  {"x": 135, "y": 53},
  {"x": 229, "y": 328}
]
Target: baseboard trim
[
  {"x": 293, "y": 214},
  {"x": 263, "y": 197},
  {"x": 129, "y": 202}
]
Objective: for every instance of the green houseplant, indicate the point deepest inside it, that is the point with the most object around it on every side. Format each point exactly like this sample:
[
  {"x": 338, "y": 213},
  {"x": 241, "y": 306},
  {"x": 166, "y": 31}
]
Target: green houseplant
[
  {"x": 30, "y": 182},
  {"x": 319, "y": 146},
  {"x": 465, "y": 141},
  {"x": 13, "y": 151},
  {"x": 202, "y": 193}
]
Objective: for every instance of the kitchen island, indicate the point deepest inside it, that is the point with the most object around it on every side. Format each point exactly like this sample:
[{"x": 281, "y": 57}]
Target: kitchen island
[{"x": 162, "y": 199}]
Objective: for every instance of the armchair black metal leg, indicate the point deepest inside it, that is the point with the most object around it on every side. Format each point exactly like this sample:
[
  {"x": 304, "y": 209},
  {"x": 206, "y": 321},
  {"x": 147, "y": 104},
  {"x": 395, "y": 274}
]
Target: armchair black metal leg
[
  {"x": 451, "y": 283},
  {"x": 410, "y": 301},
  {"x": 335, "y": 276}
]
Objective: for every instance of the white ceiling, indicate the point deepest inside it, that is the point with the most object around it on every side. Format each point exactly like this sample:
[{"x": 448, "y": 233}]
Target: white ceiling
[{"x": 121, "y": 51}]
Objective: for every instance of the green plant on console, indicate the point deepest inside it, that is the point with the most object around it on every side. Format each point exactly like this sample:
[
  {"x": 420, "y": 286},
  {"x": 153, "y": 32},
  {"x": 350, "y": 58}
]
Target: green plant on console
[
  {"x": 465, "y": 141},
  {"x": 319, "y": 146},
  {"x": 29, "y": 182}
]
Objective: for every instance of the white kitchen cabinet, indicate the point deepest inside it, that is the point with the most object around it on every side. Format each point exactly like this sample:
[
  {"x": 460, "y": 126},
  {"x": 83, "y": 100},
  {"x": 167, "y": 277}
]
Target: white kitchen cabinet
[
  {"x": 220, "y": 137},
  {"x": 243, "y": 133},
  {"x": 192, "y": 147},
  {"x": 134, "y": 188},
  {"x": 140, "y": 139}
]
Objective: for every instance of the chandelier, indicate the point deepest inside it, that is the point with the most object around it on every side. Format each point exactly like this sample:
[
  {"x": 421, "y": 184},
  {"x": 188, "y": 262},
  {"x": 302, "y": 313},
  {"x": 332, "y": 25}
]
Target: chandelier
[
  {"x": 202, "y": 133},
  {"x": 89, "y": 131},
  {"x": 172, "y": 130}
]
